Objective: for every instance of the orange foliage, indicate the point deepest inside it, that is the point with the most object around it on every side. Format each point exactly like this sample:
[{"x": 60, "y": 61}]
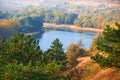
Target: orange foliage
[
  {"x": 112, "y": 23},
  {"x": 8, "y": 23}
]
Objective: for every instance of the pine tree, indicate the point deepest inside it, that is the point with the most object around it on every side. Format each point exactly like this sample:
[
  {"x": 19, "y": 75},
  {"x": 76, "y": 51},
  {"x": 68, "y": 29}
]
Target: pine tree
[
  {"x": 20, "y": 49},
  {"x": 109, "y": 44},
  {"x": 56, "y": 52},
  {"x": 22, "y": 59},
  {"x": 56, "y": 47}
]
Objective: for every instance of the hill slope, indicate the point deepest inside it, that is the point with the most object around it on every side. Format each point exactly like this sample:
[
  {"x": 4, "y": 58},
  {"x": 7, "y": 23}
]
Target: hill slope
[{"x": 88, "y": 70}]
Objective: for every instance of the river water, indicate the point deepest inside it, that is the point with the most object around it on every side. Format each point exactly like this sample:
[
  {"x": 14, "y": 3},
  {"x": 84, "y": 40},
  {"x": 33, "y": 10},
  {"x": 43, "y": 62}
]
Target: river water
[{"x": 65, "y": 37}]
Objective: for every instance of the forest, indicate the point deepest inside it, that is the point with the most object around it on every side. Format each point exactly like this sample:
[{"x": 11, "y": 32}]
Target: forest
[
  {"x": 25, "y": 20},
  {"x": 21, "y": 57},
  {"x": 24, "y": 14}
]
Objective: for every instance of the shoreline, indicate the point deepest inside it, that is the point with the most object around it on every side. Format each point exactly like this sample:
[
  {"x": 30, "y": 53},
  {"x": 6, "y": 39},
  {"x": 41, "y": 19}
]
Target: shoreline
[
  {"x": 31, "y": 33},
  {"x": 70, "y": 27}
]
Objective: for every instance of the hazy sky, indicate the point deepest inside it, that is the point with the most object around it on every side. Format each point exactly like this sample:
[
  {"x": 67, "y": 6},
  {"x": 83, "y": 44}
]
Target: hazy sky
[{"x": 17, "y": 4}]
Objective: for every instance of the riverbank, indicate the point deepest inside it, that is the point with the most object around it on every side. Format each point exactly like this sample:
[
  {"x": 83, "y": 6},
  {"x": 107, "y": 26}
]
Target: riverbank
[
  {"x": 70, "y": 27},
  {"x": 32, "y": 33}
]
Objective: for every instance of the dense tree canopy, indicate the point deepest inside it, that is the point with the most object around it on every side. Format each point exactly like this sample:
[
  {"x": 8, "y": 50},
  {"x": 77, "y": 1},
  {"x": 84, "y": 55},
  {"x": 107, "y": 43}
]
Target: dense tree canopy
[
  {"x": 20, "y": 49},
  {"x": 31, "y": 20},
  {"x": 22, "y": 58},
  {"x": 109, "y": 44},
  {"x": 8, "y": 27},
  {"x": 26, "y": 24},
  {"x": 5, "y": 15}
]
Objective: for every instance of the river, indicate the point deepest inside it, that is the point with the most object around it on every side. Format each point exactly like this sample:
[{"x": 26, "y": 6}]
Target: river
[{"x": 65, "y": 37}]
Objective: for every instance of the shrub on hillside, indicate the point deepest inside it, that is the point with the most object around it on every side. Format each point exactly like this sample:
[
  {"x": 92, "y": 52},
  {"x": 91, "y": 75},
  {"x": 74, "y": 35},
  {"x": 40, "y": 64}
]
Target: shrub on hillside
[{"x": 73, "y": 52}]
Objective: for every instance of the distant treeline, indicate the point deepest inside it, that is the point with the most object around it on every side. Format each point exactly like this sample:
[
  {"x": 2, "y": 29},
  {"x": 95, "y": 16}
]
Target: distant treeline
[
  {"x": 95, "y": 19},
  {"x": 31, "y": 20},
  {"x": 10, "y": 25}
]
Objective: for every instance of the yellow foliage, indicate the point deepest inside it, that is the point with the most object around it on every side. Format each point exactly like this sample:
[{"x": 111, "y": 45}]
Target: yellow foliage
[
  {"x": 112, "y": 24},
  {"x": 8, "y": 23}
]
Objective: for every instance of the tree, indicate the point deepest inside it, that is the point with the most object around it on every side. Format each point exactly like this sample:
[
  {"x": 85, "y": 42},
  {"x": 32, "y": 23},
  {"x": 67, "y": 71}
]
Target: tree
[
  {"x": 109, "y": 44},
  {"x": 69, "y": 18},
  {"x": 56, "y": 47},
  {"x": 22, "y": 59},
  {"x": 56, "y": 52},
  {"x": 73, "y": 52},
  {"x": 31, "y": 24},
  {"x": 8, "y": 27},
  {"x": 94, "y": 41},
  {"x": 78, "y": 22},
  {"x": 48, "y": 17},
  {"x": 20, "y": 49}
]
